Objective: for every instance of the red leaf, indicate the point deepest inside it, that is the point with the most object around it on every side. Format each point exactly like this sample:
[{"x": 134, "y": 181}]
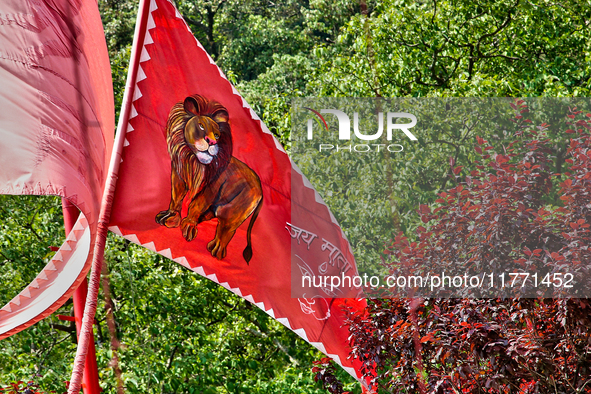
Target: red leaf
[
  {"x": 427, "y": 338},
  {"x": 424, "y": 209}
]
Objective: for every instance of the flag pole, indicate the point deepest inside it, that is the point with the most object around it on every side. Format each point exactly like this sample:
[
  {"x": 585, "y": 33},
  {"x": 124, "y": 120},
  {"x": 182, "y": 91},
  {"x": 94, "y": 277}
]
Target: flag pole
[
  {"x": 106, "y": 204},
  {"x": 90, "y": 377}
]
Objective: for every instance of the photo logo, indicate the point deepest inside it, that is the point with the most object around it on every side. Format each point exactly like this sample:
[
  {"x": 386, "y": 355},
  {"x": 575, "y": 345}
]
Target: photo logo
[{"x": 345, "y": 124}]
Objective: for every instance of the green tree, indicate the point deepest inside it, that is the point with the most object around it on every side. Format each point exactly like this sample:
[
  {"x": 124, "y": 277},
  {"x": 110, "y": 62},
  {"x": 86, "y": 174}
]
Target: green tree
[{"x": 461, "y": 48}]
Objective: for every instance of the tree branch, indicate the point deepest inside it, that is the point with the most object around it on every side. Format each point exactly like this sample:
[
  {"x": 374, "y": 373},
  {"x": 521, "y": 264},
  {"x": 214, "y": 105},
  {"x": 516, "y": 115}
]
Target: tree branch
[
  {"x": 69, "y": 329},
  {"x": 171, "y": 358},
  {"x": 276, "y": 342},
  {"x": 498, "y": 30}
]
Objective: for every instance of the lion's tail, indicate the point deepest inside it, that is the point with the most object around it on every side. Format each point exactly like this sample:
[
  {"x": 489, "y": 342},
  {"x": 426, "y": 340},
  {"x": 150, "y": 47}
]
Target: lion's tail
[{"x": 247, "y": 254}]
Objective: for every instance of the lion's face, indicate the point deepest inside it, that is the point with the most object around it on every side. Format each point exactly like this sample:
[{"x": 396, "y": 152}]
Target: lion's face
[
  {"x": 199, "y": 140},
  {"x": 202, "y": 134}
]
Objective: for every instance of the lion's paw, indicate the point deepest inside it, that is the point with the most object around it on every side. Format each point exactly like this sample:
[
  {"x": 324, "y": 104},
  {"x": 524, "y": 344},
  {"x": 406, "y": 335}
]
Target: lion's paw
[
  {"x": 189, "y": 229},
  {"x": 214, "y": 246},
  {"x": 169, "y": 218}
]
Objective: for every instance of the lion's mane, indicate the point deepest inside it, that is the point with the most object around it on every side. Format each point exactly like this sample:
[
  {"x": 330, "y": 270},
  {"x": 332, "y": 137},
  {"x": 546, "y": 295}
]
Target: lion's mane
[{"x": 184, "y": 161}]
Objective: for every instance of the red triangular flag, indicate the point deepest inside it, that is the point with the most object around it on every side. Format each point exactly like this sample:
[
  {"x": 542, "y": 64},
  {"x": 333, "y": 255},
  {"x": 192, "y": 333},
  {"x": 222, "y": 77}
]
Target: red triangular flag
[
  {"x": 217, "y": 204},
  {"x": 56, "y": 132}
]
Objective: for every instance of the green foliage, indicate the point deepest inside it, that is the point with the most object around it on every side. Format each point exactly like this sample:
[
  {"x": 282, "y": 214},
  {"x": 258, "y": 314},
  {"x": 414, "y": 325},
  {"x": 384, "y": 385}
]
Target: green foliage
[
  {"x": 256, "y": 34},
  {"x": 118, "y": 22},
  {"x": 257, "y": 41},
  {"x": 118, "y": 18},
  {"x": 287, "y": 68},
  {"x": 272, "y": 92},
  {"x": 460, "y": 48},
  {"x": 29, "y": 225},
  {"x": 27, "y": 230}
]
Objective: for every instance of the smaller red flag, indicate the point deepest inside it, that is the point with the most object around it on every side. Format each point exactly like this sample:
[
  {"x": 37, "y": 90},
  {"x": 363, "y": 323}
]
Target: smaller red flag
[{"x": 56, "y": 133}]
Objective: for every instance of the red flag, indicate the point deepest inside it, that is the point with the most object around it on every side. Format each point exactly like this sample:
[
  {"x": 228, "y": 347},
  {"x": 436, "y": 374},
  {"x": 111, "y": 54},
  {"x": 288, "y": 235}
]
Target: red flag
[
  {"x": 203, "y": 182},
  {"x": 56, "y": 132}
]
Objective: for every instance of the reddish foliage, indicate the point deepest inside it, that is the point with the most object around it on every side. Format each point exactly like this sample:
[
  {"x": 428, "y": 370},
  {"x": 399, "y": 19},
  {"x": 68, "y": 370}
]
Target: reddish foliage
[
  {"x": 325, "y": 373},
  {"x": 477, "y": 346},
  {"x": 21, "y": 387},
  {"x": 500, "y": 216}
]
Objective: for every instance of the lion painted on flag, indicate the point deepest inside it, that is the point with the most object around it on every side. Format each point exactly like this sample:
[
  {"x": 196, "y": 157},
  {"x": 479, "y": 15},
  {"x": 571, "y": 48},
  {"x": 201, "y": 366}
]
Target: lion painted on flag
[{"x": 216, "y": 184}]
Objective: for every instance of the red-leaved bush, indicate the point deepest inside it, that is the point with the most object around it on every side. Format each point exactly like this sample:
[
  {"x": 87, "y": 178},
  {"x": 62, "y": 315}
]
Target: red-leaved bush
[
  {"x": 511, "y": 213},
  {"x": 21, "y": 387},
  {"x": 501, "y": 218},
  {"x": 476, "y": 346},
  {"x": 30, "y": 387}
]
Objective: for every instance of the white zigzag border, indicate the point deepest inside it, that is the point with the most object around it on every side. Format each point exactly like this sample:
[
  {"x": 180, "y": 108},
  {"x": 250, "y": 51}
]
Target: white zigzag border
[
  {"x": 144, "y": 57},
  {"x": 61, "y": 271}
]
